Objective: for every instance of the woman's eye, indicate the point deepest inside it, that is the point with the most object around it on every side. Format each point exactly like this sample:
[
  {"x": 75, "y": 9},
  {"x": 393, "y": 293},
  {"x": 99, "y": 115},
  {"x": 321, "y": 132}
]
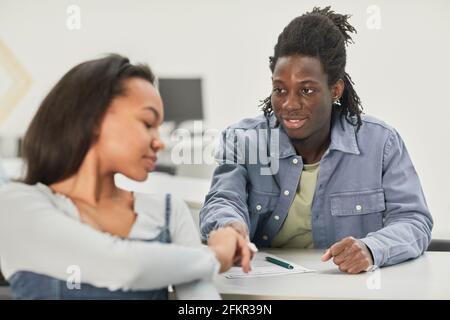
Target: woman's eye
[
  {"x": 307, "y": 91},
  {"x": 147, "y": 125}
]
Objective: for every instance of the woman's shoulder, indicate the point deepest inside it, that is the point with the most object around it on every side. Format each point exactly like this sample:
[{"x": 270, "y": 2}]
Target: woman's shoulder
[
  {"x": 151, "y": 203},
  {"x": 23, "y": 198},
  {"x": 181, "y": 222},
  {"x": 156, "y": 200},
  {"x": 20, "y": 189}
]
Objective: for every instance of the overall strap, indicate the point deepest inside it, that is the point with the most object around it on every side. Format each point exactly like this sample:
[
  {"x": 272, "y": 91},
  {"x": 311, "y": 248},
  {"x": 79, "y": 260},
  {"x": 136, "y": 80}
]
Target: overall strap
[
  {"x": 164, "y": 236},
  {"x": 168, "y": 210}
]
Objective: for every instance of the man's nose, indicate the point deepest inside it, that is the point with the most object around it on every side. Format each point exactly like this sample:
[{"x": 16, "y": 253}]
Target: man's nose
[{"x": 292, "y": 102}]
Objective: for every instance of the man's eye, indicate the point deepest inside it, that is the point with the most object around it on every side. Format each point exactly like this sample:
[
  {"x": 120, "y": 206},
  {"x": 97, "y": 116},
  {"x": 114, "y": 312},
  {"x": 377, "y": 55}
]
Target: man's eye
[
  {"x": 278, "y": 90},
  {"x": 307, "y": 91}
]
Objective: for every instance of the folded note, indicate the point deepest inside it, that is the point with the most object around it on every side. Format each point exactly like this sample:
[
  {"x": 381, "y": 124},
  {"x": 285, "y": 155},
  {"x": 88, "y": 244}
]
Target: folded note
[{"x": 262, "y": 267}]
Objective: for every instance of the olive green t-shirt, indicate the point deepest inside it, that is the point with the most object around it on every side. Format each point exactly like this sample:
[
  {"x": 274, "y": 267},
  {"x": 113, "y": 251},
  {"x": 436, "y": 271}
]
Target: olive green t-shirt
[{"x": 296, "y": 230}]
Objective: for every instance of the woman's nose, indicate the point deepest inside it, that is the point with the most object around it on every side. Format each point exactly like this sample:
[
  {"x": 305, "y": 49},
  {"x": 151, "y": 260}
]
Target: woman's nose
[{"x": 157, "y": 144}]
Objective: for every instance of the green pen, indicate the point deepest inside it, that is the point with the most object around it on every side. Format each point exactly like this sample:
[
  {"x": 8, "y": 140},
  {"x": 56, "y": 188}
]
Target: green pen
[{"x": 280, "y": 263}]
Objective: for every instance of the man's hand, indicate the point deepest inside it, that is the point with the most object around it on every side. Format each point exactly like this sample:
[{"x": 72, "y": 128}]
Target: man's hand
[
  {"x": 350, "y": 254},
  {"x": 241, "y": 228}
]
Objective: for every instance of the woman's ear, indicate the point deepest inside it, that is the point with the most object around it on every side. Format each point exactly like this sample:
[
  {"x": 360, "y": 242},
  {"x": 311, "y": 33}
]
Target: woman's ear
[{"x": 96, "y": 134}]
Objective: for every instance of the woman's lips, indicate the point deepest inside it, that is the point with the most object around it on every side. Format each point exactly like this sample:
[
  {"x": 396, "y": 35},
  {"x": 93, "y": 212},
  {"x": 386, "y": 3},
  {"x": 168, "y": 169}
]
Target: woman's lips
[
  {"x": 150, "y": 163},
  {"x": 294, "y": 123}
]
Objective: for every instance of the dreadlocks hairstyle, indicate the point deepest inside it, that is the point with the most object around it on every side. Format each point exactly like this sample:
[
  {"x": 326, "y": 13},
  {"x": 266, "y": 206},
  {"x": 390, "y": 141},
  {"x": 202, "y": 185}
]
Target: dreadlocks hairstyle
[{"x": 323, "y": 34}]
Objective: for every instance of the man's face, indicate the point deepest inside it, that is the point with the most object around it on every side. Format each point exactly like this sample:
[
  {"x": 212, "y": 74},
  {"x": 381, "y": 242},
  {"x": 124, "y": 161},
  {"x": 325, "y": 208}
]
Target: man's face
[{"x": 301, "y": 97}]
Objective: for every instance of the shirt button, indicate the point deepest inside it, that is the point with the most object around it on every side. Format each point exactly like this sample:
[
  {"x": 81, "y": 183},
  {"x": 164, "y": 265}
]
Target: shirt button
[
  {"x": 277, "y": 217},
  {"x": 358, "y": 207},
  {"x": 258, "y": 207},
  {"x": 265, "y": 237},
  {"x": 286, "y": 192},
  {"x": 295, "y": 161}
]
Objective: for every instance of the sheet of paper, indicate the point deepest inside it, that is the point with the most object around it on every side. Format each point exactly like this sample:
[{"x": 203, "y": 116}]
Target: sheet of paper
[{"x": 261, "y": 267}]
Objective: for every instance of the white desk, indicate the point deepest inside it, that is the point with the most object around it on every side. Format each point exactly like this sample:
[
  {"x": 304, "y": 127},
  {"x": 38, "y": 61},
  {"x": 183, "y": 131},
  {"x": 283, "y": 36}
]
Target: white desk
[{"x": 426, "y": 277}]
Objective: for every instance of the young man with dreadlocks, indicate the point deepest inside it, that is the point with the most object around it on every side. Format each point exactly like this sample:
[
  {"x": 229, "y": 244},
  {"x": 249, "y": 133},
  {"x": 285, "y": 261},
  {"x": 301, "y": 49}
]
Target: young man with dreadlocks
[{"x": 366, "y": 206}]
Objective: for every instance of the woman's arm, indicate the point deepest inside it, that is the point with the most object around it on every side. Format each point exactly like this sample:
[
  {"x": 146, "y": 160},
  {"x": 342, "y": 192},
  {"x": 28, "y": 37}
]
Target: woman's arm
[
  {"x": 35, "y": 236},
  {"x": 184, "y": 232}
]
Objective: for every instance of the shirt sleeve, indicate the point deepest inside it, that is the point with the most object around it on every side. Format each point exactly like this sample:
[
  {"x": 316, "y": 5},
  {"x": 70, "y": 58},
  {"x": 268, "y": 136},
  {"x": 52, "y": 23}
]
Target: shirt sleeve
[
  {"x": 35, "y": 236},
  {"x": 407, "y": 221},
  {"x": 227, "y": 199},
  {"x": 184, "y": 232}
]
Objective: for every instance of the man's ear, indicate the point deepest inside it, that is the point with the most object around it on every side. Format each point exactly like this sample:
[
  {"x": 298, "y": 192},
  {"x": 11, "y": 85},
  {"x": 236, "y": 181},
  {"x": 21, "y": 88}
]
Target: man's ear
[{"x": 338, "y": 89}]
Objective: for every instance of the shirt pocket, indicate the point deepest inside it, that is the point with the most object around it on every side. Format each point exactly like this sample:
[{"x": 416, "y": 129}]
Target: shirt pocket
[
  {"x": 357, "y": 203},
  {"x": 260, "y": 202}
]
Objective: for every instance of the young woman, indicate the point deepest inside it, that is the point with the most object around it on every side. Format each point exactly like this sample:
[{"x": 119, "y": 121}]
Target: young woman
[
  {"x": 344, "y": 181},
  {"x": 69, "y": 223}
]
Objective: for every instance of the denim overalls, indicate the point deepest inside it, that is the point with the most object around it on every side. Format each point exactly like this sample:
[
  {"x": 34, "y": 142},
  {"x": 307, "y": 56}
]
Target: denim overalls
[{"x": 30, "y": 285}]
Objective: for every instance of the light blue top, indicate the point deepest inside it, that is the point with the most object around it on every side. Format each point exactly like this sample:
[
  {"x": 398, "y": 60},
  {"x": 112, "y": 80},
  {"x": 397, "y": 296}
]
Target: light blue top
[
  {"x": 367, "y": 188},
  {"x": 26, "y": 285},
  {"x": 42, "y": 232}
]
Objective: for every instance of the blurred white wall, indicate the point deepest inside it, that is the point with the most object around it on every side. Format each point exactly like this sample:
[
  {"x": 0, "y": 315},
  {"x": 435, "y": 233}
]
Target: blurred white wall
[{"x": 400, "y": 70}]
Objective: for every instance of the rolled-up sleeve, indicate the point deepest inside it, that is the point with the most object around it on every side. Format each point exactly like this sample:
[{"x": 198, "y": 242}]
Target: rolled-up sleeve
[{"x": 407, "y": 222}]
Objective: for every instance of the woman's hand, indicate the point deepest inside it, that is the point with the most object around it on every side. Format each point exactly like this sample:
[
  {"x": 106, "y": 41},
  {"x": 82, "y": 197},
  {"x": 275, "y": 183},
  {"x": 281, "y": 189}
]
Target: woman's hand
[{"x": 230, "y": 247}]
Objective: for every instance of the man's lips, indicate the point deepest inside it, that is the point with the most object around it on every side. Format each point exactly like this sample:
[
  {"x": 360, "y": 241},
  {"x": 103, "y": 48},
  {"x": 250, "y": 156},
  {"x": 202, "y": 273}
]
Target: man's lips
[{"x": 294, "y": 123}]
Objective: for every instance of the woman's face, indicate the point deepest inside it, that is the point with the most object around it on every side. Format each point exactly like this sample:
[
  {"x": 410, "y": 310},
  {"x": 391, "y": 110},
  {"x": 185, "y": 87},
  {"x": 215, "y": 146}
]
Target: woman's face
[
  {"x": 301, "y": 97},
  {"x": 128, "y": 137}
]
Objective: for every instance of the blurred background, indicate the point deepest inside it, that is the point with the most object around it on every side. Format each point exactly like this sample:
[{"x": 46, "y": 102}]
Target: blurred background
[{"x": 219, "y": 50}]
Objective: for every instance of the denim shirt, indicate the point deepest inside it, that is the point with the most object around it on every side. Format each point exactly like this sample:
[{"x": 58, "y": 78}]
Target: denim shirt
[{"x": 367, "y": 188}]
